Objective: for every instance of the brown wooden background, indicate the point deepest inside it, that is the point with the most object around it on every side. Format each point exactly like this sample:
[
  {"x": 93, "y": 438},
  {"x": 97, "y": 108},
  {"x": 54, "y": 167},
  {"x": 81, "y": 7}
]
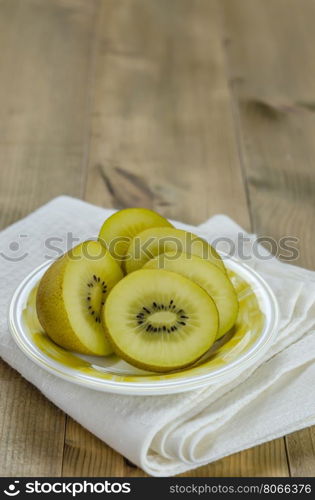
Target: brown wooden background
[{"x": 191, "y": 107}]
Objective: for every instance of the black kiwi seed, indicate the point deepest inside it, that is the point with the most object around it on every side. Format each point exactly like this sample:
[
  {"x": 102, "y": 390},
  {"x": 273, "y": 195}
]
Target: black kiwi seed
[{"x": 143, "y": 316}]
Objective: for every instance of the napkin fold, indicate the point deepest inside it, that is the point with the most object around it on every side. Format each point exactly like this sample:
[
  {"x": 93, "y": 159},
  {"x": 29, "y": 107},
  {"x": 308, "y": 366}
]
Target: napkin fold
[{"x": 167, "y": 435}]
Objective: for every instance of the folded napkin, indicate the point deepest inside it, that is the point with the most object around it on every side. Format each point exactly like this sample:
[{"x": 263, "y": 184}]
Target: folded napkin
[{"x": 167, "y": 435}]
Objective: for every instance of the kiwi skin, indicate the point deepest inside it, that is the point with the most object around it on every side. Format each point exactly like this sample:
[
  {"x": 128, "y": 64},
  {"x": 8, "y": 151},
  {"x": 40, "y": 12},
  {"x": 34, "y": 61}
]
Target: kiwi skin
[
  {"x": 155, "y": 368},
  {"x": 145, "y": 366},
  {"x": 50, "y": 290}
]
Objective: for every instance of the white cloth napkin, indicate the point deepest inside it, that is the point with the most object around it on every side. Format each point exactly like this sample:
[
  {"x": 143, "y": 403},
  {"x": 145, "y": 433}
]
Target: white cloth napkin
[{"x": 167, "y": 435}]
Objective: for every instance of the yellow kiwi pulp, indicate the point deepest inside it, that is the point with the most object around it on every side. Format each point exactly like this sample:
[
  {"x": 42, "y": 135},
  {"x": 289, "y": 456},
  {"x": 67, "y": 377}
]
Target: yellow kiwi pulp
[
  {"x": 159, "y": 320},
  {"x": 119, "y": 229},
  {"x": 151, "y": 242},
  {"x": 72, "y": 295},
  {"x": 209, "y": 277}
]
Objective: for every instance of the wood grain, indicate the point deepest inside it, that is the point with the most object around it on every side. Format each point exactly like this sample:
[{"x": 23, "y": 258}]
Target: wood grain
[
  {"x": 44, "y": 64},
  {"x": 272, "y": 76},
  {"x": 31, "y": 429},
  {"x": 161, "y": 130}
]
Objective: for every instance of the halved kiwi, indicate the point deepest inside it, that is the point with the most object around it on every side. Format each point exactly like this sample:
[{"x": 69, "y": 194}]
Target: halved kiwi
[
  {"x": 72, "y": 294},
  {"x": 119, "y": 229},
  {"x": 160, "y": 320},
  {"x": 151, "y": 242},
  {"x": 209, "y": 277}
]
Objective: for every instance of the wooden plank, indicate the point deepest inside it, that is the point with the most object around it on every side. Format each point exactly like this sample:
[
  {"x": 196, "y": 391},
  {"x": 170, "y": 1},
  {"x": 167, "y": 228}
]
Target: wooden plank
[
  {"x": 31, "y": 429},
  {"x": 267, "y": 460},
  {"x": 162, "y": 136},
  {"x": 161, "y": 112},
  {"x": 45, "y": 66},
  {"x": 86, "y": 455},
  {"x": 301, "y": 453},
  {"x": 272, "y": 75}
]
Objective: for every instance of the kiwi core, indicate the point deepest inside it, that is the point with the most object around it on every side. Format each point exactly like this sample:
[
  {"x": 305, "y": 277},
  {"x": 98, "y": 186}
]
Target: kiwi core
[
  {"x": 163, "y": 317},
  {"x": 158, "y": 317},
  {"x": 95, "y": 297}
]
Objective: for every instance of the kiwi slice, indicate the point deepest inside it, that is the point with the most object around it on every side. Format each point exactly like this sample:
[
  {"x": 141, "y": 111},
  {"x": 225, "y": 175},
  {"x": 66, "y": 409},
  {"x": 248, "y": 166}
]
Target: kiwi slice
[
  {"x": 209, "y": 277},
  {"x": 119, "y": 229},
  {"x": 151, "y": 242},
  {"x": 72, "y": 294},
  {"x": 160, "y": 320}
]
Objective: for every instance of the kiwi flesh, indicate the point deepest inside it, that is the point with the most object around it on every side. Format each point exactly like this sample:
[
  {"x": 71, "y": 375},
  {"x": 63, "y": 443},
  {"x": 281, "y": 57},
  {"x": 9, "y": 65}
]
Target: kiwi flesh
[
  {"x": 72, "y": 294},
  {"x": 151, "y": 242},
  {"x": 209, "y": 277},
  {"x": 119, "y": 229},
  {"x": 159, "y": 320}
]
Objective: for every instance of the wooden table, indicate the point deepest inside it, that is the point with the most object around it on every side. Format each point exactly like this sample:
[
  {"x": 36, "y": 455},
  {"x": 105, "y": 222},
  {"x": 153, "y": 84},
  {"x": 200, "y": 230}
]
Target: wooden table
[{"x": 191, "y": 107}]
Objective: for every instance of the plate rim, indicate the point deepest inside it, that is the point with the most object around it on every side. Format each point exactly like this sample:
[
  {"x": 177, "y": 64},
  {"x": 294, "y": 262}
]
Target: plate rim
[{"x": 157, "y": 387}]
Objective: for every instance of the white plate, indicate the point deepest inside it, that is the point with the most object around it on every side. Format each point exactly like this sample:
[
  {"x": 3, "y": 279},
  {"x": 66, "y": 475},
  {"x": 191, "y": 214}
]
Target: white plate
[{"x": 255, "y": 331}]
